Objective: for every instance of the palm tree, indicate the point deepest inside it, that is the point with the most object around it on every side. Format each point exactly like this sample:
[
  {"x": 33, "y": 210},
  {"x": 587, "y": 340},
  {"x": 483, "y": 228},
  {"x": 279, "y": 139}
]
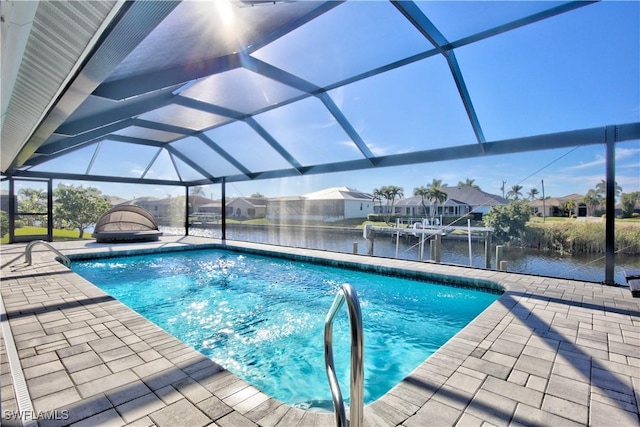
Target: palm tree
[
  {"x": 568, "y": 206},
  {"x": 437, "y": 183},
  {"x": 601, "y": 188},
  {"x": 468, "y": 183},
  {"x": 592, "y": 199},
  {"x": 423, "y": 192},
  {"x": 533, "y": 193},
  {"x": 601, "y": 191},
  {"x": 515, "y": 193},
  {"x": 436, "y": 195},
  {"x": 377, "y": 195},
  {"x": 390, "y": 193}
]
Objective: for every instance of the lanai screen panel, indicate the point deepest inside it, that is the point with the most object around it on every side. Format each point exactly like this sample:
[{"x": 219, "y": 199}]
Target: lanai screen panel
[
  {"x": 243, "y": 142},
  {"x": 346, "y": 41},
  {"x": 588, "y": 77},
  {"x": 240, "y": 90},
  {"x": 228, "y": 89}
]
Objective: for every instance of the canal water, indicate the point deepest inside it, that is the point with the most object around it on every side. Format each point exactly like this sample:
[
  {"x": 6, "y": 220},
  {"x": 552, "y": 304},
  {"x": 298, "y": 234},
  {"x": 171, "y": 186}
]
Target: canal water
[{"x": 588, "y": 267}]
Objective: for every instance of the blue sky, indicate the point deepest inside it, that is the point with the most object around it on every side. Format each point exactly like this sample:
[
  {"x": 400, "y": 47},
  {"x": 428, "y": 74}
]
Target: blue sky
[{"x": 574, "y": 71}]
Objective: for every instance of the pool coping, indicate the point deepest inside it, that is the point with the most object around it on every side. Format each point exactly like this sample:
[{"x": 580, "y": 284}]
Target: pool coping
[{"x": 548, "y": 351}]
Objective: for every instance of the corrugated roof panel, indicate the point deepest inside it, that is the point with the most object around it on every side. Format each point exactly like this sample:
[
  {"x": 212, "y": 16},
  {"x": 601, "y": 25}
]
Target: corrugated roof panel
[{"x": 60, "y": 33}]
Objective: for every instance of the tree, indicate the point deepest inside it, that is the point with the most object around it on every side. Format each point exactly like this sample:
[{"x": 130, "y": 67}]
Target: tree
[
  {"x": 196, "y": 191},
  {"x": 175, "y": 211},
  {"x": 508, "y": 221},
  {"x": 628, "y": 202},
  {"x": 390, "y": 193},
  {"x": 257, "y": 195},
  {"x": 79, "y": 206},
  {"x": 601, "y": 188},
  {"x": 377, "y": 195},
  {"x": 469, "y": 183},
  {"x": 4, "y": 223},
  {"x": 437, "y": 183},
  {"x": 32, "y": 200},
  {"x": 515, "y": 193},
  {"x": 567, "y": 207},
  {"x": 533, "y": 193},
  {"x": 592, "y": 199},
  {"x": 601, "y": 191},
  {"x": 436, "y": 195},
  {"x": 423, "y": 192}
]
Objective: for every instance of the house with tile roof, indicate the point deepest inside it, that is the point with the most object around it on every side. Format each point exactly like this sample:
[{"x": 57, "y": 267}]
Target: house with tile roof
[
  {"x": 461, "y": 200},
  {"x": 553, "y": 206}
]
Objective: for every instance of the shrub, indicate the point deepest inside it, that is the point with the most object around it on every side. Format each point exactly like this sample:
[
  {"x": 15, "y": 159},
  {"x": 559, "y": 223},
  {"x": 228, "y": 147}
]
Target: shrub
[
  {"x": 508, "y": 221},
  {"x": 4, "y": 223}
]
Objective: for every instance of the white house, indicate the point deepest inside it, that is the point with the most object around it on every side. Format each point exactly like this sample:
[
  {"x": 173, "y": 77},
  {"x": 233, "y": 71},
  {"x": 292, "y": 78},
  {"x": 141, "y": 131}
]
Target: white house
[
  {"x": 553, "y": 206},
  {"x": 328, "y": 205},
  {"x": 246, "y": 207}
]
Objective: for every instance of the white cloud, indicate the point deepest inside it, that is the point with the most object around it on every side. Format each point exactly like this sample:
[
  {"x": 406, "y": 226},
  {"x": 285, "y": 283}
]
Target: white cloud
[
  {"x": 621, "y": 154},
  {"x": 600, "y": 160}
]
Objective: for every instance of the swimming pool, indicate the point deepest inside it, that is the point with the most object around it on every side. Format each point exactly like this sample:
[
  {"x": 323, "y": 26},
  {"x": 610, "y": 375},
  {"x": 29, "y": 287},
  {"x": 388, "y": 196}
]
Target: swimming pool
[{"x": 263, "y": 317}]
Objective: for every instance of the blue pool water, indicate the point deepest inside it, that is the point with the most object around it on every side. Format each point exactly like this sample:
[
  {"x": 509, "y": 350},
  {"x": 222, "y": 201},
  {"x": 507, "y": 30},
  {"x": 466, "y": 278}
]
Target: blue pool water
[{"x": 263, "y": 318}]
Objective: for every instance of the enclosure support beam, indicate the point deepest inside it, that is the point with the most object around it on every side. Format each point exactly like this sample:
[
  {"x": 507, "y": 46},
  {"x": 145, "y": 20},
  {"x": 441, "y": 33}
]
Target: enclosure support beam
[
  {"x": 610, "y": 240},
  {"x": 12, "y": 210},
  {"x": 50, "y": 210},
  {"x": 186, "y": 210},
  {"x": 223, "y": 209}
]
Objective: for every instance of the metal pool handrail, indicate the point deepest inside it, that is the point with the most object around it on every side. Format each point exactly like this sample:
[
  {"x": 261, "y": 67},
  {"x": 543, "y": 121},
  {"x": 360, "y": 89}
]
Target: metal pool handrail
[
  {"x": 356, "y": 407},
  {"x": 27, "y": 252}
]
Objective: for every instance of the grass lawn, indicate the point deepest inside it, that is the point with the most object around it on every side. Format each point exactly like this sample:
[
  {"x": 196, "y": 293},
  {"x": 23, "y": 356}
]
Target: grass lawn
[
  {"x": 539, "y": 219},
  {"x": 38, "y": 231}
]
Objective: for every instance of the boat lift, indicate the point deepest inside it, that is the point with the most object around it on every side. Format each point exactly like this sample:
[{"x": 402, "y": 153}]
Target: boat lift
[{"x": 433, "y": 233}]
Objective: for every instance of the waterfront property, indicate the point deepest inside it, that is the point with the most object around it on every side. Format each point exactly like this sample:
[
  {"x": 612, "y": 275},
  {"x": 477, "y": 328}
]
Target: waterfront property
[
  {"x": 247, "y": 207},
  {"x": 460, "y": 201},
  {"x": 571, "y": 204},
  {"x": 328, "y": 205},
  {"x": 548, "y": 352}
]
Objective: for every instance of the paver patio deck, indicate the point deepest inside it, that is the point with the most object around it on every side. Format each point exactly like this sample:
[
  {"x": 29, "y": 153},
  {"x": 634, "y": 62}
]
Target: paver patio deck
[{"x": 548, "y": 352}]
